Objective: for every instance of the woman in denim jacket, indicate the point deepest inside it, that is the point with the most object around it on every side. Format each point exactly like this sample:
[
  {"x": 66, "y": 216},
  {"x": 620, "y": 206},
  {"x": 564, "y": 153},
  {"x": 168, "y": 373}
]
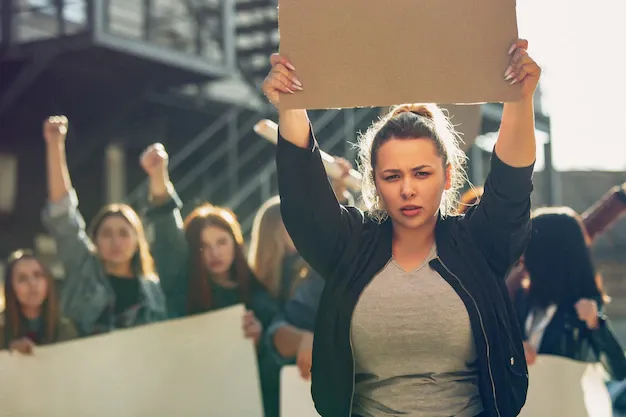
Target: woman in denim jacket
[{"x": 110, "y": 281}]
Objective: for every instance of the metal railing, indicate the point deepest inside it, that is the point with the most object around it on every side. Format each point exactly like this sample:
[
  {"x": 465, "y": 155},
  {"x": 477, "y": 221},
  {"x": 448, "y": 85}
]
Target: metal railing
[
  {"x": 253, "y": 151},
  {"x": 176, "y": 160},
  {"x": 263, "y": 179}
]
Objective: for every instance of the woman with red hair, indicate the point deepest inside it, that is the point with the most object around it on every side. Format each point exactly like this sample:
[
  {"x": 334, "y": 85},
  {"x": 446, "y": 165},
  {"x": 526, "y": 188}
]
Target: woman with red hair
[{"x": 201, "y": 261}]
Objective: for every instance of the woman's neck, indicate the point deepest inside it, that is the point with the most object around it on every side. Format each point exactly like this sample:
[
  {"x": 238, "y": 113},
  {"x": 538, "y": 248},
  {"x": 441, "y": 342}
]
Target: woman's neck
[
  {"x": 223, "y": 280},
  {"x": 411, "y": 247},
  {"x": 405, "y": 239},
  {"x": 31, "y": 312},
  {"x": 119, "y": 270}
]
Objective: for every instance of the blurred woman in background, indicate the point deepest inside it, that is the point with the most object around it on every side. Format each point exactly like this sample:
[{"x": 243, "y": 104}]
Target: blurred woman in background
[
  {"x": 31, "y": 315},
  {"x": 561, "y": 305},
  {"x": 110, "y": 280},
  {"x": 201, "y": 261}
]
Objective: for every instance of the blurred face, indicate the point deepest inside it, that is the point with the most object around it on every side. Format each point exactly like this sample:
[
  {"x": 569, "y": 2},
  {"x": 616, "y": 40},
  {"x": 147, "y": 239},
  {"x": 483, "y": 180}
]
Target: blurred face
[
  {"x": 218, "y": 249},
  {"x": 410, "y": 180},
  {"x": 30, "y": 283},
  {"x": 116, "y": 240}
]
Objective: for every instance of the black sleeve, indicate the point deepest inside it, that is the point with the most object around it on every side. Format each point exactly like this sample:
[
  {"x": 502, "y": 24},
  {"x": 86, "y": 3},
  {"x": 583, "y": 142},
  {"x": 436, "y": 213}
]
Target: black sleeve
[
  {"x": 500, "y": 223},
  {"x": 320, "y": 227},
  {"x": 608, "y": 350}
]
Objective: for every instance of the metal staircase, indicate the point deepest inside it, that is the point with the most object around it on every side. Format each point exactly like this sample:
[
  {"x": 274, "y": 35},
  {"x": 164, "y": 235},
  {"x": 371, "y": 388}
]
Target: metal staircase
[{"x": 238, "y": 170}]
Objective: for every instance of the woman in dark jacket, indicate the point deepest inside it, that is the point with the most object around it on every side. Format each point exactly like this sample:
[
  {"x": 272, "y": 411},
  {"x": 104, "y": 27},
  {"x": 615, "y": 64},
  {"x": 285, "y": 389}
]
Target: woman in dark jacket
[
  {"x": 414, "y": 317},
  {"x": 561, "y": 305},
  {"x": 201, "y": 261}
]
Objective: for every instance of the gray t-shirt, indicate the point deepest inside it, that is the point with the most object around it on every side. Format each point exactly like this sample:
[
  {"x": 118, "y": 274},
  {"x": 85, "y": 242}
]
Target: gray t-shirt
[{"x": 413, "y": 347}]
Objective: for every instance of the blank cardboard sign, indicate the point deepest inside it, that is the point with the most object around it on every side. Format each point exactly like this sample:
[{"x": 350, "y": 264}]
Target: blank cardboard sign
[
  {"x": 355, "y": 53},
  {"x": 194, "y": 367}
]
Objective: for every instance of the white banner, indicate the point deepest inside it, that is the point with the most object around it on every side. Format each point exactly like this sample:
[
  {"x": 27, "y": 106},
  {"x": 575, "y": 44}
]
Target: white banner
[
  {"x": 193, "y": 367},
  {"x": 564, "y": 387}
]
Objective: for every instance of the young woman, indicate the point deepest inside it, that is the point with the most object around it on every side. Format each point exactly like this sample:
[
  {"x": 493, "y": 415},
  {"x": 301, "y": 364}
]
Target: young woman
[
  {"x": 561, "y": 305},
  {"x": 283, "y": 272},
  {"x": 110, "y": 281},
  {"x": 414, "y": 318},
  {"x": 31, "y": 315},
  {"x": 201, "y": 261},
  {"x": 273, "y": 257}
]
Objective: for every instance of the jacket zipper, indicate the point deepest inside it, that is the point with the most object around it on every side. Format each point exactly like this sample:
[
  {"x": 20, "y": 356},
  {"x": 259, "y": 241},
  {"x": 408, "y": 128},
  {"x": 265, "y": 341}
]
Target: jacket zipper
[
  {"x": 353, "y": 368},
  {"x": 482, "y": 326}
]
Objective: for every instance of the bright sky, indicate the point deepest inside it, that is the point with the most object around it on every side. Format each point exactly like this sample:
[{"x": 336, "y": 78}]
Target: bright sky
[{"x": 580, "y": 47}]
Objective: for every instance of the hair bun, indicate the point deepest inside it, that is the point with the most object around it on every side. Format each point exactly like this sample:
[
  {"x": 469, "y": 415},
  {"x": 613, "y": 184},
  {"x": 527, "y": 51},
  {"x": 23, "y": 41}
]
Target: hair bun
[{"x": 424, "y": 110}]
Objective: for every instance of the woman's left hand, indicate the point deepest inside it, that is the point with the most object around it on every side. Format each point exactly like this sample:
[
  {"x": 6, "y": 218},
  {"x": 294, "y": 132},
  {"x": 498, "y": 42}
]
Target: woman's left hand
[
  {"x": 252, "y": 327},
  {"x": 587, "y": 311},
  {"x": 522, "y": 69}
]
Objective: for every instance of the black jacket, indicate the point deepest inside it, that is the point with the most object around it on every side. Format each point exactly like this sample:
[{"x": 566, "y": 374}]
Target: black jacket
[
  {"x": 566, "y": 335},
  {"x": 348, "y": 249}
]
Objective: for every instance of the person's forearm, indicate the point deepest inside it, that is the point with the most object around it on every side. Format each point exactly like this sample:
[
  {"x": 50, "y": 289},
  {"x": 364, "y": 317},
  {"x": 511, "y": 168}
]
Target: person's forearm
[
  {"x": 287, "y": 340},
  {"x": 159, "y": 188},
  {"x": 516, "y": 144},
  {"x": 59, "y": 182},
  {"x": 294, "y": 127}
]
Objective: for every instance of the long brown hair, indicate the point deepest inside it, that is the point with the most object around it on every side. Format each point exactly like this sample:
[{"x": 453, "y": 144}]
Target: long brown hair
[
  {"x": 50, "y": 313},
  {"x": 142, "y": 263},
  {"x": 199, "y": 298}
]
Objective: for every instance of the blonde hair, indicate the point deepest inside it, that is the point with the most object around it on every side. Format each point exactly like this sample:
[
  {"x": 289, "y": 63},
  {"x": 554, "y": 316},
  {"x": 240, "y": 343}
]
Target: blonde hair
[
  {"x": 470, "y": 198},
  {"x": 410, "y": 121},
  {"x": 267, "y": 245}
]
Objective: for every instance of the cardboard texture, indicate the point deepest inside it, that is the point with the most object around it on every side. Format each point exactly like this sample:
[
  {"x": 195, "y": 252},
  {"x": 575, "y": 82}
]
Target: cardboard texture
[
  {"x": 350, "y": 53},
  {"x": 193, "y": 367},
  {"x": 295, "y": 394},
  {"x": 559, "y": 386}
]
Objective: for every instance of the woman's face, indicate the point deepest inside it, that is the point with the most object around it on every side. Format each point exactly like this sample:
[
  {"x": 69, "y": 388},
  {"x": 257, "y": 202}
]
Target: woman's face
[
  {"x": 29, "y": 282},
  {"x": 218, "y": 249},
  {"x": 116, "y": 240},
  {"x": 410, "y": 180}
]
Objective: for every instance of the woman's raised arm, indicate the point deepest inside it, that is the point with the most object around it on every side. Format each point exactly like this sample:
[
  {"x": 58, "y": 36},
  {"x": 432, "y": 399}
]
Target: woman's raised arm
[{"x": 319, "y": 226}]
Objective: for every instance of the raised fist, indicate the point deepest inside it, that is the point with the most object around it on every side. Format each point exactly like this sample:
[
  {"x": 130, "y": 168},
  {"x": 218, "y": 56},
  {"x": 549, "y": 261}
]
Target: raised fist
[
  {"x": 154, "y": 160},
  {"x": 55, "y": 129}
]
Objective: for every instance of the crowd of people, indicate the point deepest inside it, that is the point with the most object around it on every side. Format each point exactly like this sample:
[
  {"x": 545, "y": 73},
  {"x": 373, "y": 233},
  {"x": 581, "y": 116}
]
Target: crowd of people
[{"x": 396, "y": 307}]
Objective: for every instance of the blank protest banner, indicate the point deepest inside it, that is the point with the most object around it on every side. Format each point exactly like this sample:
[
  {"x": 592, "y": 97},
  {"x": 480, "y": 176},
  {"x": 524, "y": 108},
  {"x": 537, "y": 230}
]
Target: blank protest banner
[
  {"x": 354, "y": 53},
  {"x": 193, "y": 367},
  {"x": 560, "y": 386},
  {"x": 295, "y": 394}
]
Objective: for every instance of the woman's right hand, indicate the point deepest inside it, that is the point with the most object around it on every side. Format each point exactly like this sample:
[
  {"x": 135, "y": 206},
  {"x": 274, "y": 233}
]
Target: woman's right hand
[
  {"x": 55, "y": 129},
  {"x": 281, "y": 79},
  {"x": 154, "y": 160},
  {"x": 24, "y": 346},
  {"x": 304, "y": 358}
]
